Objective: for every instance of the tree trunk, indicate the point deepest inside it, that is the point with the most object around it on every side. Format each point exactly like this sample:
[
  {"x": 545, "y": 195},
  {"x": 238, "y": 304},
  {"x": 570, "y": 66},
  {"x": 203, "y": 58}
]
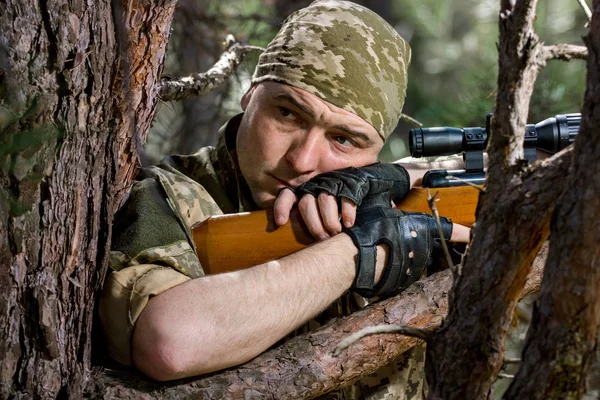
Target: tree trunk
[
  {"x": 513, "y": 219},
  {"x": 68, "y": 115},
  {"x": 561, "y": 341}
]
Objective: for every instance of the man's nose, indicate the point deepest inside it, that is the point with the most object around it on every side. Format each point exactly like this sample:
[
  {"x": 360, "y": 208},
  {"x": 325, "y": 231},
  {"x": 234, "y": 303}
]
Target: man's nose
[{"x": 304, "y": 154}]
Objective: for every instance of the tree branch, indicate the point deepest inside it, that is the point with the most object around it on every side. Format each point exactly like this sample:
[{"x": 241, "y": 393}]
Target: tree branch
[
  {"x": 431, "y": 201},
  {"x": 201, "y": 84},
  {"x": 485, "y": 295},
  {"x": 506, "y": 7},
  {"x": 519, "y": 64},
  {"x": 586, "y": 9},
  {"x": 410, "y": 120},
  {"x": 304, "y": 366},
  {"x": 539, "y": 178},
  {"x": 564, "y": 52},
  {"x": 380, "y": 329},
  {"x": 143, "y": 35}
]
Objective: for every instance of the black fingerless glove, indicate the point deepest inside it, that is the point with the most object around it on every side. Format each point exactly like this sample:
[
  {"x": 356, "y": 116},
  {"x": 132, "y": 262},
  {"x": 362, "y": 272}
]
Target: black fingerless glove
[
  {"x": 357, "y": 183},
  {"x": 411, "y": 239}
]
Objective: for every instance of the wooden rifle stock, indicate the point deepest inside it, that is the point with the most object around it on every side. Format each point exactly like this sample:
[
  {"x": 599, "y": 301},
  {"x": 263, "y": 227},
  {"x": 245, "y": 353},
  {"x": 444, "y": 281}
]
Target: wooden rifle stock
[{"x": 237, "y": 241}]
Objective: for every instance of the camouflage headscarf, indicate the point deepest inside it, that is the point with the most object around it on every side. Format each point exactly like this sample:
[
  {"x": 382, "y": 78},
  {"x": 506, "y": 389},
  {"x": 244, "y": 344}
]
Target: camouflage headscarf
[{"x": 347, "y": 55}]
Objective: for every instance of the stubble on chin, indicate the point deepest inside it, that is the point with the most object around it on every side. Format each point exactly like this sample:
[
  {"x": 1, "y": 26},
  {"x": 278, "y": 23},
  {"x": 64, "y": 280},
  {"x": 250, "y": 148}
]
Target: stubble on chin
[
  {"x": 262, "y": 198},
  {"x": 264, "y": 202},
  {"x": 263, "y": 192}
]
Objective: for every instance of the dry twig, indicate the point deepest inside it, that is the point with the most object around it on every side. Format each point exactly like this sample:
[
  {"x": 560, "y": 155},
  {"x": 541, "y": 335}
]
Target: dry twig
[
  {"x": 466, "y": 182},
  {"x": 200, "y": 84},
  {"x": 505, "y": 376},
  {"x": 564, "y": 52},
  {"x": 410, "y": 120},
  {"x": 431, "y": 200},
  {"x": 586, "y": 9},
  {"x": 379, "y": 329}
]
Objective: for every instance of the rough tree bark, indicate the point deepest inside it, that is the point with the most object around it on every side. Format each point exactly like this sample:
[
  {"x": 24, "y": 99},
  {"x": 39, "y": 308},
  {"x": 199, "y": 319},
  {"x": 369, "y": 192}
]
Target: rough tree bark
[
  {"x": 466, "y": 353},
  {"x": 69, "y": 117},
  {"x": 562, "y": 337}
]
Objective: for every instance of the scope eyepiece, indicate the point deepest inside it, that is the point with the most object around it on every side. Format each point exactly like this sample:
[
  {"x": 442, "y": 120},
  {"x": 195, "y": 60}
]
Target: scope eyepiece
[
  {"x": 415, "y": 142},
  {"x": 440, "y": 141}
]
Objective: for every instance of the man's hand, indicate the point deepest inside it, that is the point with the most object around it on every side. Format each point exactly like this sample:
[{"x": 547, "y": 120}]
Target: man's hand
[
  {"x": 321, "y": 199},
  {"x": 320, "y": 214},
  {"x": 411, "y": 239}
]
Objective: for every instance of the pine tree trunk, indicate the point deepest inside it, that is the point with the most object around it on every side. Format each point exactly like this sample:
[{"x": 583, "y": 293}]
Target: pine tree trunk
[
  {"x": 513, "y": 218},
  {"x": 68, "y": 119},
  {"x": 561, "y": 341}
]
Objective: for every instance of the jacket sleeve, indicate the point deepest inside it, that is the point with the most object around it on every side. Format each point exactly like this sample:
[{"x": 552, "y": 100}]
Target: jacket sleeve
[{"x": 152, "y": 251}]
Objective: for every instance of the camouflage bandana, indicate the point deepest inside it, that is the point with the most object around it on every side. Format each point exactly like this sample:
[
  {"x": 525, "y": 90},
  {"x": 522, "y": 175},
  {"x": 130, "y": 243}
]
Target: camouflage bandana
[{"x": 345, "y": 54}]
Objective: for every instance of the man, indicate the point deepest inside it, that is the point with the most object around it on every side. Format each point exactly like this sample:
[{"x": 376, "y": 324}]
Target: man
[{"x": 326, "y": 93}]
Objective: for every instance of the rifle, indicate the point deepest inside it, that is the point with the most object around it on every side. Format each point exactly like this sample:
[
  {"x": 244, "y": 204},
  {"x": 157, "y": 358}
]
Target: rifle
[{"x": 237, "y": 241}]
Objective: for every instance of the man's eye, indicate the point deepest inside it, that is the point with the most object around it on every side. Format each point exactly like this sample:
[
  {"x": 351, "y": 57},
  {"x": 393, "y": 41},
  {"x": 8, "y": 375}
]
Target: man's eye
[
  {"x": 286, "y": 113},
  {"x": 344, "y": 141}
]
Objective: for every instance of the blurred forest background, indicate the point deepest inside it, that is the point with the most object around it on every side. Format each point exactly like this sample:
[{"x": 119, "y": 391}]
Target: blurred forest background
[{"x": 452, "y": 77}]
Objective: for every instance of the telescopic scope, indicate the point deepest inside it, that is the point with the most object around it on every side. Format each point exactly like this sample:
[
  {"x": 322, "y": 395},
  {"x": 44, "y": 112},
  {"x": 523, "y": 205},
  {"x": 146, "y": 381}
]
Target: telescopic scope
[{"x": 551, "y": 135}]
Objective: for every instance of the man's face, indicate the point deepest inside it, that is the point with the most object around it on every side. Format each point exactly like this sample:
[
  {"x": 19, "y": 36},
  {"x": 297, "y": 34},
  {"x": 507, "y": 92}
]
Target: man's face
[{"x": 287, "y": 136}]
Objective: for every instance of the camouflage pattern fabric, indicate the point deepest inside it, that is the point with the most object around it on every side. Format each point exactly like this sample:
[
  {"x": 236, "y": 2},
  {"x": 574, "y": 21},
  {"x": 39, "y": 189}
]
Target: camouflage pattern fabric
[
  {"x": 345, "y": 54},
  {"x": 154, "y": 224},
  {"x": 402, "y": 379}
]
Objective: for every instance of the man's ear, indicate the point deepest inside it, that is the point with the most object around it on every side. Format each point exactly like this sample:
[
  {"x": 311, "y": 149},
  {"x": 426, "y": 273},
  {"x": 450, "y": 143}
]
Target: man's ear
[{"x": 246, "y": 97}]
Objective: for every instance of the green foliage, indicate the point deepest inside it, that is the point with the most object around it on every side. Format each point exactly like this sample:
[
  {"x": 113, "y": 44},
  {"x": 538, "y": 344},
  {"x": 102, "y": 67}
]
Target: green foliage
[{"x": 248, "y": 19}]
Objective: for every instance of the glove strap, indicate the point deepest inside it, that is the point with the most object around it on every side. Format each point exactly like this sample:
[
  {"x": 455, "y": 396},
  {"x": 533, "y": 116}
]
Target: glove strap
[
  {"x": 366, "y": 259},
  {"x": 410, "y": 243}
]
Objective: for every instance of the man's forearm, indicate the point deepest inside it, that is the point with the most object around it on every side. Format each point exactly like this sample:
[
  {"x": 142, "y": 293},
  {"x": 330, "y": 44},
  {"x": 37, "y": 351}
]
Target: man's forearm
[{"x": 223, "y": 320}]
